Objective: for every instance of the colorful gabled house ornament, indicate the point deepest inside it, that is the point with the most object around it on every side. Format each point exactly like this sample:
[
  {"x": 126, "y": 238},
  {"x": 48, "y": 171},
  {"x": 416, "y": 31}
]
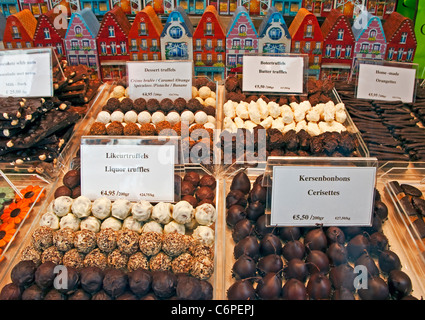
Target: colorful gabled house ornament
[
  {"x": 241, "y": 39},
  {"x": 381, "y": 8},
  {"x": 80, "y": 39},
  {"x": 287, "y": 7},
  {"x": 160, "y": 6},
  {"x": 320, "y": 8},
  {"x": 209, "y": 40},
  {"x": 192, "y": 6},
  {"x": 225, "y": 7},
  {"x": 99, "y": 7},
  {"x": 307, "y": 38},
  {"x": 350, "y": 8},
  {"x": 338, "y": 45},
  {"x": 9, "y": 7},
  {"x": 256, "y": 7},
  {"x": 128, "y": 6},
  {"x": 19, "y": 30},
  {"x": 37, "y": 7},
  {"x": 177, "y": 36},
  {"x": 401, "y": 38},
  {"x": 144, "y": 37},
  {"x": 273, "y": 33}
]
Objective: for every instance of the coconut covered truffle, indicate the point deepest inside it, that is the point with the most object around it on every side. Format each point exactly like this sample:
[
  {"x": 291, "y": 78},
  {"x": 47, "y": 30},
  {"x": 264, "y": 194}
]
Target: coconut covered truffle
[
  {"x": 150, "y": 243},
  {"x": 106, "y": 240},
  {"x": 85, "y": 241},
  {"x": 42, "y": 238}
]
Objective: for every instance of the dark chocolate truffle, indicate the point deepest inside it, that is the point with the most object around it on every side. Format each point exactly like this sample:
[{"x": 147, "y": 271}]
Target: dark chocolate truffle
[
  {"x": 188, "y": 288},
  {"x": 54, "y": 294},
  {"x": 45, "y": 274},
  {"x": 33, "y": 292},
  {"x": 152, "y": 105},
  {"x": 71, "y": 179},
  {"x": 62, "y": 191},
  {"x": 164, "y": 283},
  {"x": 11, "y": 291},
  {"x": 115, "y": 282},
  {"x": 23, "y": 273},
  {"x": 91, "y": 279},
  {"x": 208, "y": 181},
  {"x": 68, "y": 280},
  {"x": 187, "y": 188},
  {"x": 139, "y": 104},
  {"x": 79, "y": 294},
  {"x": 204, "y": 193},
  {"x": 101, "y": 295},
  {"x": 192, "y": 177},
  {"x": 140, "y": 281}
]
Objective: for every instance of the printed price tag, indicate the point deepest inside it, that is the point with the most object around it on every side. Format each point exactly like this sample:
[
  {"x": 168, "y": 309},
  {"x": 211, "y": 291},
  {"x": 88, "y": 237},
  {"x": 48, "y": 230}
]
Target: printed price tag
[
  {"x": 283, "y": 74},
  {"x": 130, "y": 171},
  {"x": 26, "y": 73},
  {"x": 160, "y": 79},
  {"x": 306, "y": 196}
]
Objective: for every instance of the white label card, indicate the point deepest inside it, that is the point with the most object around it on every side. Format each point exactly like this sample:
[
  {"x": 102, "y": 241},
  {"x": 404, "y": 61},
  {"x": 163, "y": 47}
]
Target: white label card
[
  {"x": 386, "y": 83},
  {"x": 26, "y": 75},
  {"x": 160, "y": 80},
  {"x": 133, "y": 172},
  {"x": 273, "y": 74},
  {"x": 306, "y": 196}
]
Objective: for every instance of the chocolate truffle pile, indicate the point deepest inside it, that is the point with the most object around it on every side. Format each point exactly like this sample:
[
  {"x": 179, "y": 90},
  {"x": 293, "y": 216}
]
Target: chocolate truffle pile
[
  {"x": 301, "y": 263},
  {"x": 32, "y": 282}
]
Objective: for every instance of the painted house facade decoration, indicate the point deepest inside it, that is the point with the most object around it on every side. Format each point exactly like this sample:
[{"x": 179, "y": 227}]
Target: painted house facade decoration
[
  {"x": 209, "y": 43},
  {"x": 350, "y": 8},
  {"x": 46, "y": 35},
  {"x": 192, "y": 6},
  {"x": 370, "y": 37},
  {"x": 307, "y": 38},
  {"x": 401, "y": 38},
  {"x": 112, "y": 44},
  {"x": 9, "y": 7},
  {"x": 128, "y": 6},
  {"x": 381, "y": 8},
  {"x": 225, "y": 7},
  {"x": 160, "y": 6},
  {"x": 80, "y": 39},
  {"x": 19, "y": 30},
  {"x": 70, "y": 6},
  {"x": 177, "y": 37},
  {"x": 2, "y": 28},
  {"x": 256, "y": 7},
  {"x": 338, "y": 46},
  {"x": 241, "y": 39},
  {"x": 144, "y": 37},
  {"x": 273, "y": 33},
  {"x": 37, "y": 7},
  {"x": 99, "y": 7},
  {"x": 319, "y": 8},
  {"x": 287, "y": 7}
]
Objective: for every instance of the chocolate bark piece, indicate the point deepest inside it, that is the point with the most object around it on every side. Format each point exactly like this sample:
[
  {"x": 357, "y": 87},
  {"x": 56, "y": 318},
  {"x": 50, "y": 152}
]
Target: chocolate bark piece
[
  {"x": 418, "y": 228},
  {"x": 407, "y": 206},
  {"x": 419, "y": 204},
  {"x": 11, "y": 108},
  {"x": 411, "y": 190}
]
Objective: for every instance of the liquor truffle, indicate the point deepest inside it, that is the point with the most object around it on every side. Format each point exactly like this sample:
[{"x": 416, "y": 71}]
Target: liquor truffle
[
  {"x": 115, "y": 128},
  {"x": 63, "y": 239},
  {"x": 115, "y": 282},
  {"x": 42, "y": 238},
  {"x": 127, "y": 241},
  {"x": 161, "y": 212},
  {"x": 136, "y": 261},
  {"x": 97, "y": 129},
  {"x": 62, "y": 191},
  {"x": 85, "y": 241},
  {"x": 150, "y": 243},
  {"x": 121, "y": 208},
  {"x": 141, "y": 210},
  {"x": 117, "y": 259},
  {"x": 70, "y": 221},
  {"x": 23, "y": 273},
  {"x": 73, "y": 258},
  {"x": 90, "y": 223},
  {"x": 204, "y": 234},
  {"x": 91, "y": 279},
  {"x": 152, "y": 226},
  {"x": 183, "y": 212},
  {"x": 96, "y": 258},
  {"x": 205, "y": 214},
  {"x": 51, "y": 220},
  {"x": 81, "y": 207},
  {"x": 131, "y": 129},
  {"x": 160, "y": 261},
  {"x": 106, "y": 240},
  {"x": 72, "y": 179},
  {"x": 132, "y": 224}
]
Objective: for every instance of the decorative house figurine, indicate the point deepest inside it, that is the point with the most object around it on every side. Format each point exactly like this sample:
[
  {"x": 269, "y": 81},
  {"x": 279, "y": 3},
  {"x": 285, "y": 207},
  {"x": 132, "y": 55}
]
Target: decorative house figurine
[
  {"x": 80, "y": 39},
  {"x": 381, "y": 8},
  {"x": 338, "y": 45},
  {"x": 99, "y": 7},
  {"x": 224, "y": 7},
  {"x": 192, "y": 6},
  {"x": 287, "y": 7},
  {"x": 19, "y": 30},
  {"x": 46, "y": 35},
  {"x": 177, "y": 37},
  {"x": 401, "y": 38},
  {"x": 241, "y": 39},
  {"x": 350, "y": 8},
  {"x": 2, "y": 28},
  {"x": 37, "y": 7},
  {"x": 9, "y": 7},
  {"x": 319, "y": 8},
  {"x": 370, "y": 38},
  {"x": 256, "y": 7},
  {"x": 161, "y": 6},
  {"x": 209, "y": 41},
  {"x": 307, "y": 38},
  {"x": 273, "y": 34},
  {"x": 144, "y": 36},
  {"x": 112, "y": 44},
  {"x": 70, "y": 6},
  {"x": 128, "y": 6}
]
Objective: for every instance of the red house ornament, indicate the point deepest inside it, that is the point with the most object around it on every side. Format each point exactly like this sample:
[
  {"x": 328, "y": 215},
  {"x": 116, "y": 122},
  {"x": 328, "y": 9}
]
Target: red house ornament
[
  {"x": 46, "y": 35},
  {"x": 19, "y": 30}
]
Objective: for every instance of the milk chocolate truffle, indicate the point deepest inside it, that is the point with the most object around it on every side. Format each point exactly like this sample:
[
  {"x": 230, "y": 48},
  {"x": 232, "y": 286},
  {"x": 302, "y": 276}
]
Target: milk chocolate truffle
[
  {"x": 96, "y": 258},
  {"x": 97, "y": 129},
  {"x": 91, "y": 279},
  {"x": 152, "y": 105},
  {"x": 164, "y": 283},
  {"x": 187, "y": 188},
  {"x": 63, "y": 239},
  {"x": 140, "y": 281},
  {"x": 52, "y": 254},
  {"x": 62, "y": 191},
  {"x": 115, "y": 128},
  {"x": 85, "y": 241},
  {"x": 190, "y": 199},
  {"x": 115, "y": 282},
  {"x": 150, "y": 243},
  {"x": 193, "y": 177},
  {"x": 71, "y": 179},
  {"x": 42, "y": 238},
  {"x": 160, "y": 261},
  {"x": 23, "y": 273},
  {"x": 204, "y": 193},
  {"x": 54, "y": 294},
  {"x": 73, "y": 258},
  {"x": 131, "y": 129},
  {"x": 69, "y": 284},
  {"x": 117, "y": 259},
  {"x": 30, "y": 253},
  {"x": 136, "y": 261},
  {"x": 208, "y": 181},
  {"x": 33, "y": 292},
  {"x": 45, "y": 275}
]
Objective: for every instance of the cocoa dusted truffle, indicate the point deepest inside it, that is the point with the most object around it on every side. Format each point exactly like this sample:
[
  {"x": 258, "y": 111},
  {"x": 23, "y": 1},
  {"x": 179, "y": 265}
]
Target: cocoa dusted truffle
[
  {"x": 97, "y": 129},
  {"x": 208, "y": 181},
  {"x": 23, "y": 273},
  {"x": 112, "y": 104},
  {"x": 231, "y": 84},
  {"x": 204, "y": 193},
  {"x": 187, "y": 188},
  {"x": 194, "y": 105},
  {"x": 42, "y": 238},
  {"x": 140, "y": 281},
  {"x": 193, "y": 177},
  {"x": 139, "y": 105},
  {"x": 91, "y": 279},
  {"x": 164, "y": 283},
  {"x": 131, "y": 129},
  {"x": 179, "y": 104},
  {"x": 115, "y": 128},
  {"x": 115, "y": 282},
  {"x": 45, "y": 275},
  {"x": 11, "y": 291},
  {"x": 152, "y": 105}
]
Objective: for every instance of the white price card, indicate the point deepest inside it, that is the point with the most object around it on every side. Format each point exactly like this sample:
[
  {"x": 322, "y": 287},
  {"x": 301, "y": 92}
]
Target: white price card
[
  {"x": 160, "y": 79},
  {"x": 307, "y": 196},
  {"x": 386, "y": 83},
  {"x": 283, "y": 74},
  {"x": 26, "y": 73},
  {"x": 134, "y": 172}
]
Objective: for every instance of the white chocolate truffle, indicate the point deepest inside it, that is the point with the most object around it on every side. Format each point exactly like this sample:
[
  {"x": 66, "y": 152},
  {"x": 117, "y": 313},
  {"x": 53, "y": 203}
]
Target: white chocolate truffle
[
  {"x": 144, "y": 117},
  {"x": 183, "y": 212},
  {"x": 340, "y": 106},
  {"x": 294, "y": 105},
  {"x": 187, "y": 117},
  {"x": 254, "y": 112},
  {"x": 212, "y": 120},
  {"x": 161, "y": 212},
  {"x": 287, "y": 116},
  {"x": 50, "y": 220},
  {"x": 104, "y": 117},
  {"x": 118, "y": 92},
  {"x": 101, "y": 208},
  {"x": 267, "y": 123},
  {"x": 121, "y": 208},
  {"x": 81, "y": 207},
  {"x": 262, "y": 106},
  {"x": 299, "y": 115},
  {"x": 174, "y": 226},
  {"x": 289, "y": 127},
  {"x": 205, "y": 214},
  {"x": 132, "y": 224},
  {"x": 112, "y": 223},
  {"x": 229, "y": 109},
  {"x": 141, "y": 210},
  {"x": 90, "y": 223},
  {"x": 302, "y": 125},
  {"x": 62, "y": 205},
  {"x": 333, "y": 126},
  {"x": 130, "y": 116},
  {"x": 204, "y": 92},
  {"x": 242, "y": 111},
  {"x": 340, "y": 116},
  {"x": 274, "y": 109},
  {"x": 278, "y": 124},
  {"x": 201, "y": 117},
  {"x": 228, "y": 124},
  {"x": 210, "y": 102},
  {"x": 152, "y": 226},
  {"x": 157, "y": 117},
  {"x": 194, "y": 92},
  {"x": 117, "y": 115},
  {"x": 204, "y": 235},
  {"x": 70, "y": 221},
  {"x": 250, "y": 125},
  {"x": 312, "y": 116},
  {"x": 172, "y": 117},
  {"x": 239, "y": 122},
  {"x": 313, "y": 129},
  {"x": 209, "y": 125}
]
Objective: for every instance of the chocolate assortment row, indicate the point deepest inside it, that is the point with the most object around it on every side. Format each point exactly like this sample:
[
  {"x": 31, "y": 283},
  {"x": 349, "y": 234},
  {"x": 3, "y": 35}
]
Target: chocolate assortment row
[{"x": 307, "y": 263}]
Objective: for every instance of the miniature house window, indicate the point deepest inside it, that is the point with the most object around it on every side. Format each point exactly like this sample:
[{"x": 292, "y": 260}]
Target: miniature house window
[
  {"x": 248, "y": 43},
  {"x": 73, "y": 61},
  {"x": 219, "y": 58},
  {"x": 309, "y": 31},
  {"x": 209, "y": 44},
  {"x": 74, "y": 45},
  {"x": 59, "y": 48},
  {"x": 372, "y": 34},
  {"x": 307, "y": 46},
  {"x": 46, "y": 32},
  {"x": 365, "y": 48},
  {"x": 316, "y": 60},
  {"x": 348, "y": 50},
  {"x": 82, "y": 60},
  {"x": 142, "y": 29},
  {"x": 9, "y": 45},
  {"x": 145, "y": 56},
  {"x": 198, "y": 57},
  {"x": 338, "y": 51},
  {"x": 409, "y": 55},
  {"x": 208, "y": 29},
  {"x": 103, "y": 47},
  {"x": 155, "y": 56},
  {"x": 123, "y": 47},
  {"x": 198, "y": 44},
  {"x": 240, "y": 59},
  {"x": 400, "y": 54},
  {"x": 297, "y": 46},
  {"x": 219, "y": 44},
  {"x": 133, "y": 44},
  {"x": 86, "y": 45},
  {"x": 176, "y": 32},
  {"x": 92, "y": 61},
  {"x": 113, "y": 47},
  {"x": 135, "y": 57},
  {"x": 328, "y": 50},
  {"x": 209, "y": 57},
  {"x": 15, "y": 33},
  {"x": 403, "y": 38},
  {"x": 155, "y": 43},
  {"x": 18, "y": 45},
  {"x": 242, "y": 30},
  {"x": 236, "y": 43},
  {"x": 275, "y": 33},
  {"x": 28, "y": 44},
  {"x": 144, "y": 44},
  {"x": 340, "y": 35},
  {"x": 318, "y": 46},
  {"x": 111, "y": 31},
  {"x": 390, "y": 53},
  {"x": 377, "y": 48},
  {"x": 77, "y": 30}
]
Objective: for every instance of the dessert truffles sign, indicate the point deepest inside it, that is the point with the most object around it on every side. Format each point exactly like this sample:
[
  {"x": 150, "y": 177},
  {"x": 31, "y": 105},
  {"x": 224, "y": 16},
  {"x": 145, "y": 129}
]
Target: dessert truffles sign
[{"x": 133, "y": 172}]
